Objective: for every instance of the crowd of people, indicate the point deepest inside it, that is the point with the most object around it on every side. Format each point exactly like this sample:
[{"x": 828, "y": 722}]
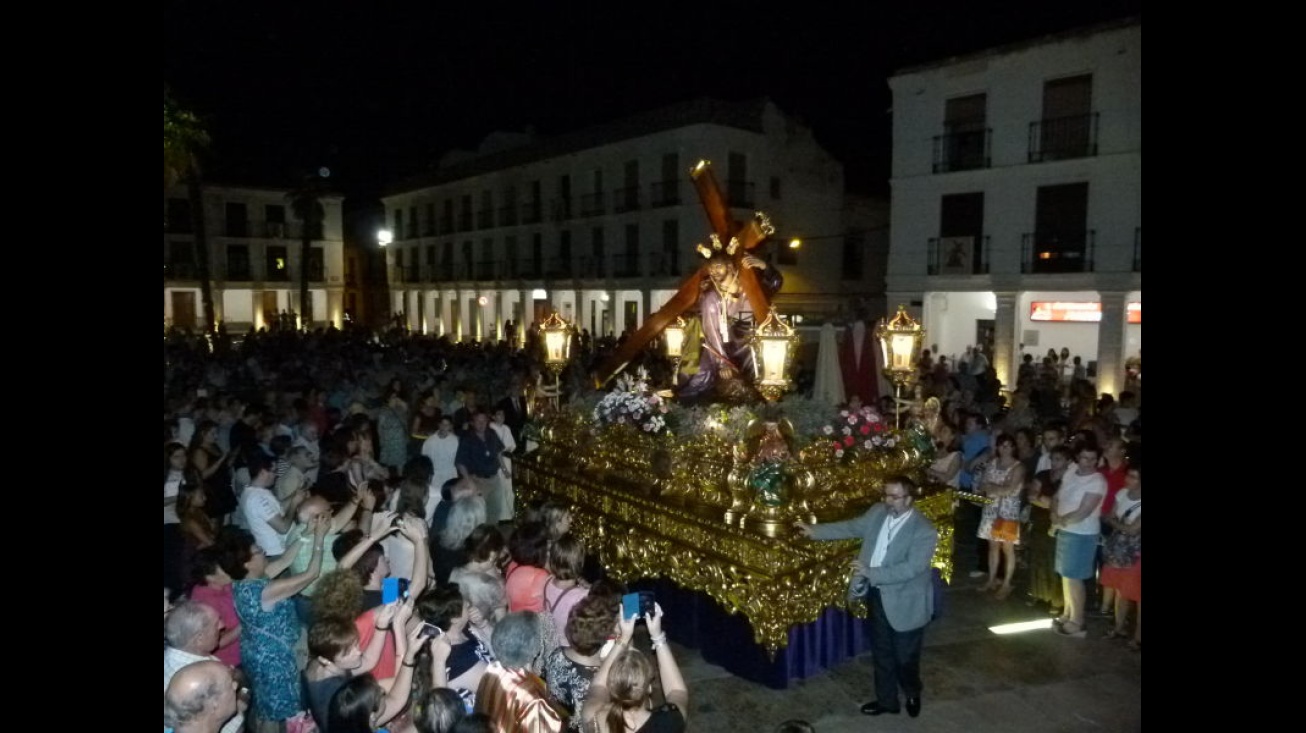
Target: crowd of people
[{"x": 342, "y": 551}]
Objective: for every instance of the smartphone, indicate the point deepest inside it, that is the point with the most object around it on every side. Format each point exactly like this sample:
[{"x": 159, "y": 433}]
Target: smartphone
[
  {"x": 429, "y": 629},
  {"x": 637, "y": 604},
  {"x": 392, "y": 589}
]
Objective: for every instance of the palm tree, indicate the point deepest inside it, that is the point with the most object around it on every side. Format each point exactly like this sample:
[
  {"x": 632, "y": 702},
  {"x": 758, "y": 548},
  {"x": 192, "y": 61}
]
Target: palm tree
[
  {"x": 184, "y": 139},
  {"x": 306, "y": 202}
]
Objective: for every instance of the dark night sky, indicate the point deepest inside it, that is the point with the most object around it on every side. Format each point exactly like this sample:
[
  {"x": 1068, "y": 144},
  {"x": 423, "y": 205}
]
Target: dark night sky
[{"x": 376, "y": 90}]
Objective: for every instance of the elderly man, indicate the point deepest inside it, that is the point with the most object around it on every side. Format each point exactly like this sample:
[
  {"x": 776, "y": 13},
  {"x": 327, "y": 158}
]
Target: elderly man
[
  {"x": 511, "y": 692},
  {"x": 202, "y": 698},
  {"x": 190, "y": 635},
  {"x": 892, "y": 572},
  {"x": 480, "y": 456}
]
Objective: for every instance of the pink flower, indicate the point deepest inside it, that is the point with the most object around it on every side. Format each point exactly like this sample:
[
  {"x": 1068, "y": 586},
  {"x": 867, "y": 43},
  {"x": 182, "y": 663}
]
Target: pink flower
[
  {"x": 864, "y": 429},
  {"x": 848, "y": 441}
]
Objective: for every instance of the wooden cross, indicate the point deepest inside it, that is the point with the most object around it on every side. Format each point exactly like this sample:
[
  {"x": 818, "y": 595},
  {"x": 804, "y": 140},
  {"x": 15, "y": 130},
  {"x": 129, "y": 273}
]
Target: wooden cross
[{"x": 749, "y": 234}]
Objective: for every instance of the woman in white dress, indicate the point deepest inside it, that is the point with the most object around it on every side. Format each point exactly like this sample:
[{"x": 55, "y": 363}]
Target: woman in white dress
[
  {"x": 504, "y": 432},
  {"x": 1003, "y": 482}
]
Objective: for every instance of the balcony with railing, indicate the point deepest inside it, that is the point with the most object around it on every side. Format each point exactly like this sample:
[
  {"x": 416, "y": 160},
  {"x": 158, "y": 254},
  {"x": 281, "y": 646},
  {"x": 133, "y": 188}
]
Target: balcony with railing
[
  {"x": 625, "y": 199},
  {"x": 561, "y": 209},
  {"x": 664, "y": 193},
  {"x": 740, "y": 194},
  {"x": 1057, "y": 252},
  {"x": 1138, "y": 249},
  {"x": 663, "y": 264},
  {"x": 558, "y": 268},
  {"x": 508, "y": 215},
  {"x": 592, "y": 204},
  {"x": 485, "y": 219},
  {"x": 236, "y": 228},
  {"x": 591, "y": 267},
  {"x": 531, "y": 212},
  {"x": 958, "y": 255},
  {"x": 528, "y": 269},
  {"x": 626, "y": 265},
  {"x": 1063, "y": 138},
  {"x": 962, "y": 150},
  {"x": 180, "y": 270}
]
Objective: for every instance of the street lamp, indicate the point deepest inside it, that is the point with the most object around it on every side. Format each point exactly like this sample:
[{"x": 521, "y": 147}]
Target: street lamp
[
  {"x": 773, "y": 344},
  {"x": 674, "y": 336},
  {"x": 557, "y": 348},
  {"x": 901, "y": 340}
]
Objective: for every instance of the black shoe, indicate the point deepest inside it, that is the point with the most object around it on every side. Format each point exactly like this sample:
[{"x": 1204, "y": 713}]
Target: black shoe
[
  {"x": 913, "y": 706},
  {"x": 874, "y": 708}
]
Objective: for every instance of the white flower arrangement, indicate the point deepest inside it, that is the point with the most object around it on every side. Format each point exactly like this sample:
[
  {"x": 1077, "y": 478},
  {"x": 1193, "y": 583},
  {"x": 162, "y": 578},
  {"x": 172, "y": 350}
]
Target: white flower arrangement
[{"x": 633, "y": 402}]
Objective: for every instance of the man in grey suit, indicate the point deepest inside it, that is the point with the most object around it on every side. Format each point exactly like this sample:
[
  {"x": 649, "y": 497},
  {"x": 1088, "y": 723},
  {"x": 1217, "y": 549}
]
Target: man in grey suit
[{"x": 892, "y": 572}]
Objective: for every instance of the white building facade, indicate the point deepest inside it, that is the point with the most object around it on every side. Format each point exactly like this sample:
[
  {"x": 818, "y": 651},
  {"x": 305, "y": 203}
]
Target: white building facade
[
  {"x": 1016, "y": 206},
  {"x": 255, "y": 259},
  {"x": 600, "y": 225}
]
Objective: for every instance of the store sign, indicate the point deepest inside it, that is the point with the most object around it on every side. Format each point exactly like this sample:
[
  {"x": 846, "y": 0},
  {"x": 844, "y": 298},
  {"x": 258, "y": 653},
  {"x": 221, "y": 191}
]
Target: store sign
[{"x": 1078, "y": 311}]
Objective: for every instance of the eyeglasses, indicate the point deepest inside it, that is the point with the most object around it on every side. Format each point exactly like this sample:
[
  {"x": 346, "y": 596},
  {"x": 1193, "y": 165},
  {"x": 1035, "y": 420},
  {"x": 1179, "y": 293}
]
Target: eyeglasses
[{"x": 894, "y": 497}]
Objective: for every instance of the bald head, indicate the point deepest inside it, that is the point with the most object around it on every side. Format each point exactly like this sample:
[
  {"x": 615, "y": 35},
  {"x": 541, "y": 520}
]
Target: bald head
[
  {"x": 312, "y": 507},
  {"x": 193, "y": 627},
  {"x": 200, "y": 697}
]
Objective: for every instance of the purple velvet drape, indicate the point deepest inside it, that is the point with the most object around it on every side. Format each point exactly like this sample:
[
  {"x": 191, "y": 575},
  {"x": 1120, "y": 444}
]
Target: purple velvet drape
[{"x": 695, "y": 620}]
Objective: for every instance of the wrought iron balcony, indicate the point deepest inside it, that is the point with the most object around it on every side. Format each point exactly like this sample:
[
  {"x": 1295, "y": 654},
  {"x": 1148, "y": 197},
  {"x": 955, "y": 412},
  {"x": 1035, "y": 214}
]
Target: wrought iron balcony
[
  {"x": 179, "y": 271},
  {"x": 530, "y": 212},
  {"x": 625, "y": 199},
  {"x": 1063, "y": 138},
  {"x": 626, "y": 265},
  {"x": 663, "y": 264},
  {"x": 1051, "y": 252},
  {"x": 558, "y": 268},
  {"x": 958, "y": 255},
  {"x": 508, "y": 215},
  {"x": 236, "y": 228},
  {"x": 561, "y": 209},
  {"x": 962, "y": 150},
  {"x": 665, "y": 193},
  {"x": 740, "y": 194},
  {"x": 592, "y": 204},
  {"x": 591, "y": 267},
  {"x": 528, "y": 269},
  {"x": 1138, "y": 249}
]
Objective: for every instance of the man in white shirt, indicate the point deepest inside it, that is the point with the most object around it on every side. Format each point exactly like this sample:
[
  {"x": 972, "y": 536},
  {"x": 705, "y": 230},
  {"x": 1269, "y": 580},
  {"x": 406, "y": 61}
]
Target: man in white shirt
[
  {"x": 190, "y": 634},
  {"x": 268, "y": 520},
  {"x": 442, "y": 448},
  {"x": 202, "y": 698}
]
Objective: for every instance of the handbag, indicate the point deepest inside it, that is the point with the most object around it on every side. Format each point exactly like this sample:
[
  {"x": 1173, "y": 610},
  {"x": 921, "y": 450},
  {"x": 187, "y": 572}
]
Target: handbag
[{"x": 1005, "y": 530}]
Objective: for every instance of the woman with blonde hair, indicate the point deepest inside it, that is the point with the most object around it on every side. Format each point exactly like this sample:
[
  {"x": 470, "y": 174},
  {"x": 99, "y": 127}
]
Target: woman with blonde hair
[{"x": 620, "y": 696}]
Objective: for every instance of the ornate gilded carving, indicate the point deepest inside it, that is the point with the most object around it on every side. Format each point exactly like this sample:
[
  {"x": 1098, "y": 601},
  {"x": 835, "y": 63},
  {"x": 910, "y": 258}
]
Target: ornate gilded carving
[{"x": 690, "y": 511}]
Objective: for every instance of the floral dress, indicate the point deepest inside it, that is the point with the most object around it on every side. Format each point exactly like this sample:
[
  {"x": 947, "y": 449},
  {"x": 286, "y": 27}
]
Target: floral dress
[
  {"x": 1006, "y": 507},
  {"x": 569, "y": 683},
  {"x": 267, "y": 650}
]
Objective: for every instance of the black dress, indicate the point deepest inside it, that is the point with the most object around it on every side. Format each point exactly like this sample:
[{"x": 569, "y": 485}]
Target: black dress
[{"x": 219, "y": 496}]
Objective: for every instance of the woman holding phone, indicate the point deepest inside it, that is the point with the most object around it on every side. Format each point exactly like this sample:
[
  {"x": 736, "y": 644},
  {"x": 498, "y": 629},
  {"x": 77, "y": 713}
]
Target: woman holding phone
[{"x": 620, "y": 698}]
